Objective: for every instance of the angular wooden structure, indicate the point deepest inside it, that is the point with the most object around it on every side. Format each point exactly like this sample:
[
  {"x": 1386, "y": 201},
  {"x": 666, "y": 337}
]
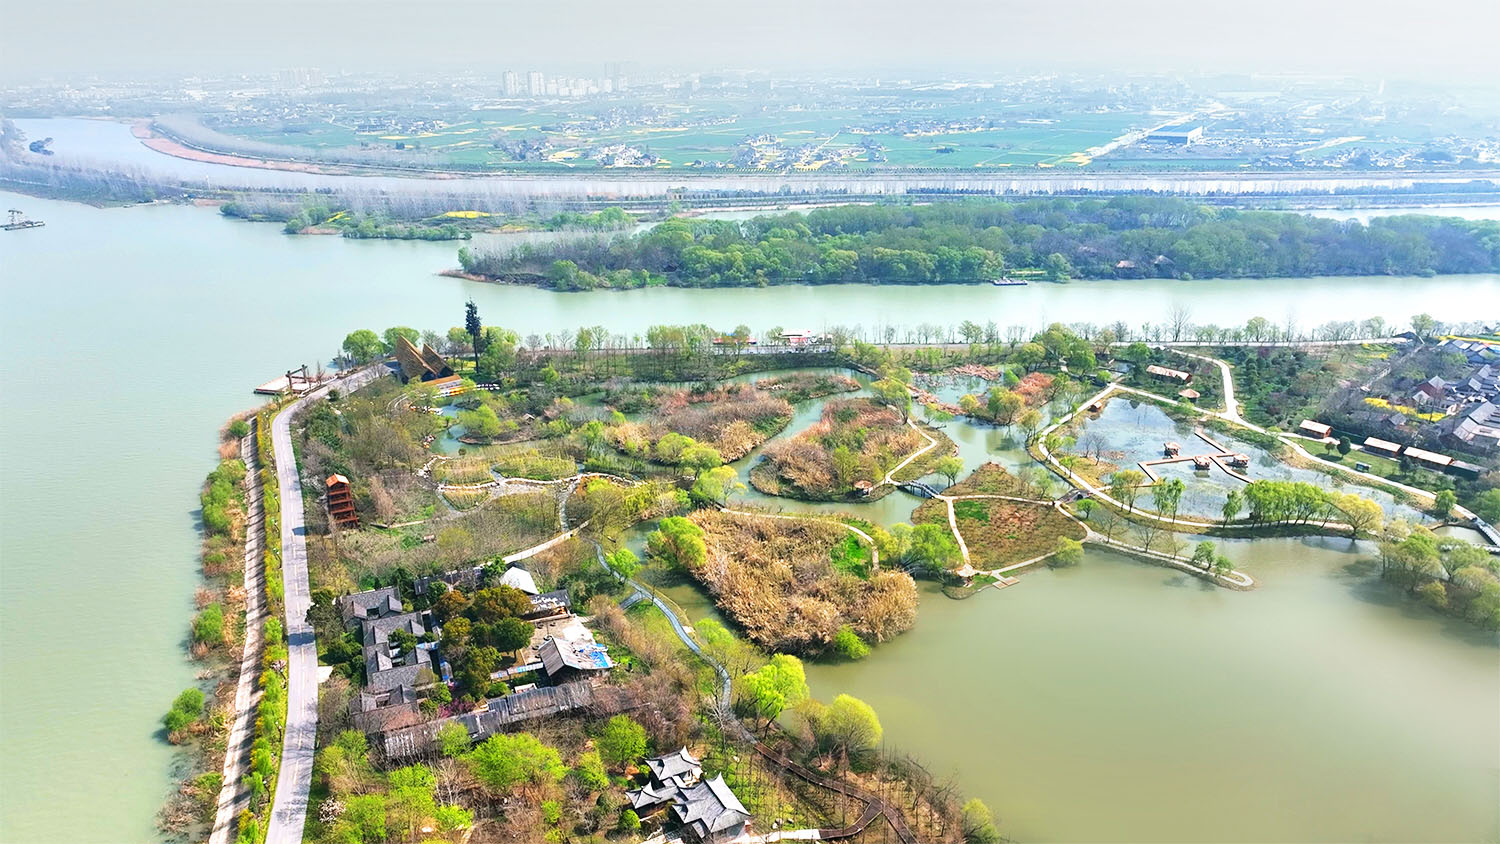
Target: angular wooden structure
[
  {"x": 341, "y": 502},
  {"x": 424, "y": 364}
]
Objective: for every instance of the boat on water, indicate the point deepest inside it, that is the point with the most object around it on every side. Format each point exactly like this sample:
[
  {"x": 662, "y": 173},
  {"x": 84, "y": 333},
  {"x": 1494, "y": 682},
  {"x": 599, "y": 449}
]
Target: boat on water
[
  {"x": 20, "y": 221},
  {"x": 1007, "y": 281}
]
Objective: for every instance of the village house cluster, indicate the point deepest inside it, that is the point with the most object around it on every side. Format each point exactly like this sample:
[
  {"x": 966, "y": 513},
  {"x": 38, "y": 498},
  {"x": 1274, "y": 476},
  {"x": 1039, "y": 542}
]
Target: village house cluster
[
  {"x": 1459, "y": 412},
  {"x": 563, "y": 672},
  {"x": 403, "y": 659}
]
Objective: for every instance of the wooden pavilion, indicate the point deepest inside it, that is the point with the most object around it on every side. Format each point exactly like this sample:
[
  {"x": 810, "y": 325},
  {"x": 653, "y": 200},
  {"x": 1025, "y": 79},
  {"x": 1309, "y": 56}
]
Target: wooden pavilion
[
  {"x": 424, "y": 364},
  {"x": 341, "y": 502}
]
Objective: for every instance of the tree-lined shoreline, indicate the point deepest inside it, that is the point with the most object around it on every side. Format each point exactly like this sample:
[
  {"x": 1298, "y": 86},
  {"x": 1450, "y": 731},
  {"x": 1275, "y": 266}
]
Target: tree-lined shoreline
[{"x": 980, "y": 241}]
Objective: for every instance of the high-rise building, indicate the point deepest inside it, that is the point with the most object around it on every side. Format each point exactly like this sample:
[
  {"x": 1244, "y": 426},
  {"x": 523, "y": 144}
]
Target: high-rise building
[
  {"x": 618, "y": 74},
  {"x": 512, "y": 84},
  {"x": 536, "y": 84},
  {"x": 296, "y": 78}
]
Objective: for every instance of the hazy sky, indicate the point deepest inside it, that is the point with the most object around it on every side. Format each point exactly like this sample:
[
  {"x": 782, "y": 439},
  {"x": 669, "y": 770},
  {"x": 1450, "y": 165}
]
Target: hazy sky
[{"x": 1434, "y": 39}]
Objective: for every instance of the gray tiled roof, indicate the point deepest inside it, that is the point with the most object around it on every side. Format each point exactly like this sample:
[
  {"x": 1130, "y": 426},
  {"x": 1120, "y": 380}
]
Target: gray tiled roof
[
  {"x": 401, "y": 675},
  {"x": 378, "y": 631},
  {"x": 674, "y": 764},
  {"x": 651, "y": 795},
  {"x": 373, "y": 602},
  {"x": 709, "y": 807}
]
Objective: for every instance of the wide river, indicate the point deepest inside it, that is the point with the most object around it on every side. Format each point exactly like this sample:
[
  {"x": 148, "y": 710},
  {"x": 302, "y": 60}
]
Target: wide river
[{"x": 1115, "y": 702}]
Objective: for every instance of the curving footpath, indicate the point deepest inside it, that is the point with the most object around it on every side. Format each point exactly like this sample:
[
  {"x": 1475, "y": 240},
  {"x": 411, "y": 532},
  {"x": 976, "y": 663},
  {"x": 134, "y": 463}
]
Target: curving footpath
[
  {"x": 890, "y": 477},
  {"x": 289, "y": 809},
  {"x": 1231, "y": 405}
]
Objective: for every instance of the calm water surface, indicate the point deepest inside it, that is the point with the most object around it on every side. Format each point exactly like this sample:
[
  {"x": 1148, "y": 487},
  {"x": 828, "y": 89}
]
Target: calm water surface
[{"x": 1111, "y": 702}]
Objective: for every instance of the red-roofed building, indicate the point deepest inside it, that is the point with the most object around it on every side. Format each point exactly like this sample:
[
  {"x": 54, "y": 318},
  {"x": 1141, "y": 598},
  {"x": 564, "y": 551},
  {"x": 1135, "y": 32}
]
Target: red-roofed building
[{"x": 341, "y": 502}]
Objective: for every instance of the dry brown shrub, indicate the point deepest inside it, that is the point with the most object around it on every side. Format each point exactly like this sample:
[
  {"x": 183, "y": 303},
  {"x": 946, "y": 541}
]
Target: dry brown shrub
[
  {"x": 775, "y": 579},
  {"x": 381, "y": 500},
  {"x": 668, "y": 713},
  {"x": 631, "y": 438},
  {"x": 731, "y": 419},
  {"x": 562, "y": 559},
  {"x": 876, "y": 435},
  {"x": 889, "y": 606},
  {"x": 802, "y": 463}
]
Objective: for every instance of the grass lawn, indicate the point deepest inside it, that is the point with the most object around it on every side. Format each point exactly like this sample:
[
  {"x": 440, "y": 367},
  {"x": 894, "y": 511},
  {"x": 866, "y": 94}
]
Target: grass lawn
[
  {"x": 999, "y": 532},
  {"x": 991, "y": 479},
  {"x": 1380, "y": 466}
]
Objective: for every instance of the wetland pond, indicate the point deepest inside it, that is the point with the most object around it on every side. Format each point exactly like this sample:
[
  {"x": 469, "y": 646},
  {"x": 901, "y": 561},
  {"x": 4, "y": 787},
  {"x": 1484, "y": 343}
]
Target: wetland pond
[{"x": 1124, "y": 702}]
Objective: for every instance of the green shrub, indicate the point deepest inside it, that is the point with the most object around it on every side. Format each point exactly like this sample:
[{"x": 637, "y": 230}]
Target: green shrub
[
  {"x": 1068, "y": 553},
  {"x": 239, "y": 428},
  {"x": 208, "y": 625},
  {"x": 185, "y": 711},
  {"x": 590, "y": 772},
  {"x": 221, "y": 491},
  {"x": 851, "y": 556},
  {"x": 209, "y": 782},
  {"x": 847, "y": 644}
]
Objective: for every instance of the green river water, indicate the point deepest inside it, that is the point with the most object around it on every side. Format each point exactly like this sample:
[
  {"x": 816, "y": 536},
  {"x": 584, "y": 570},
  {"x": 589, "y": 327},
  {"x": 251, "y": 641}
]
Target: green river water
[{"x": 1115, "y": 702}]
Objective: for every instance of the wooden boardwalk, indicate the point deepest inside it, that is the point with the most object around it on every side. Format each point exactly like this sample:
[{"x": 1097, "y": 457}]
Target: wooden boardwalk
[
  {"x": 874, "y": 806},
  {"x": 1220, "y": 458},
  {"x": 234, "y": 794}
]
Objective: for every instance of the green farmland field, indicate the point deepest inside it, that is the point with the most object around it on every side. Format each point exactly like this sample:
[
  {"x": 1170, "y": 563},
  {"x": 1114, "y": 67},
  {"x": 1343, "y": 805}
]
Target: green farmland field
[{"x": 682, "y": 135}]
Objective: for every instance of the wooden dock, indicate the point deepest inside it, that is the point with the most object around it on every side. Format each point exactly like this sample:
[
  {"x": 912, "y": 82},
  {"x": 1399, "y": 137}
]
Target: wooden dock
[
  {"x": 296, "y": 382},
  {"x": 1223, "y": 458}
]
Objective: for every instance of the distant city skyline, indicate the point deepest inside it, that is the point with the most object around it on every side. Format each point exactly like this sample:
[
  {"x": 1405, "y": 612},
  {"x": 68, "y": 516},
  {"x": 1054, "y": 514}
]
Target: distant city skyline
[{"x": 1442, "y": 38}]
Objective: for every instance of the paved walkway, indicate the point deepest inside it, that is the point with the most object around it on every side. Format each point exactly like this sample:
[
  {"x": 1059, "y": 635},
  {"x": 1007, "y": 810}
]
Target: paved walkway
[
  {"x": 1094, "y": 491},
  {"x": 233, "y": 795},
  {"x": 289, "y": 810},
  {"x": 890, "y": 476},
  {"x": 1231, "y": 413},
  {"x": 1231, "y": 406}
]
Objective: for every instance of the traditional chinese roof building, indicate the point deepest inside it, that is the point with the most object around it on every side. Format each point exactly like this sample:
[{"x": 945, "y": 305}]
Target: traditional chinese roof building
[
  {"x": 706, "y": 810},
  {"x": 341, "y": 502}
]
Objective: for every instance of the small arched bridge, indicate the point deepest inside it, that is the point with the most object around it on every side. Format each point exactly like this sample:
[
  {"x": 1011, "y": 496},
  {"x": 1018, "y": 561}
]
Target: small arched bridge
[{"x": 919, "y": 489}]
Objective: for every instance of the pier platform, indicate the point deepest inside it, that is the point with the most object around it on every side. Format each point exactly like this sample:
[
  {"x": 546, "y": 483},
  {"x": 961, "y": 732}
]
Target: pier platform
[{"x": 296, "y": 382}]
